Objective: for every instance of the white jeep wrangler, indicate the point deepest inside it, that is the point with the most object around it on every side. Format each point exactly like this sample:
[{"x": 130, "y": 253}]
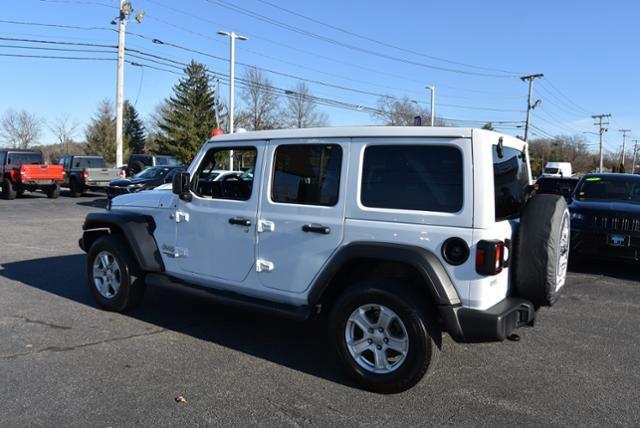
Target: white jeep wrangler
[{"x": 399, "y": 234}]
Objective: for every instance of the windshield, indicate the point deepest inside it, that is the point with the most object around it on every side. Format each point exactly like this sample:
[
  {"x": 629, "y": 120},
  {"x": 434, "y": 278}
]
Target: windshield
[
  {"x": 551, "y": 170},
  {"x": 155, "y": 172},
  {"x": 622, "y": 188}
]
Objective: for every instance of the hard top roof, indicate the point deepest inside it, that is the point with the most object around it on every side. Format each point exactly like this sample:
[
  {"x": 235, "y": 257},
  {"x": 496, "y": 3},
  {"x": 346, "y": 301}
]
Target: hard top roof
[{"x": 352, "y": 132}]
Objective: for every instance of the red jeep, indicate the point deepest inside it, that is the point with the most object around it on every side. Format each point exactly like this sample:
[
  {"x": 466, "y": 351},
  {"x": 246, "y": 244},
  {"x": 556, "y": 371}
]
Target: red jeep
[{"x": 25, "y": 170}]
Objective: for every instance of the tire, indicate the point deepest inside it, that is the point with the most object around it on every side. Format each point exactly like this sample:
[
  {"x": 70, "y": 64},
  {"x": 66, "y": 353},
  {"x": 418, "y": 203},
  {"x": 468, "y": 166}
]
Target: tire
[
  {"x": 75, "y": 189},
  {"x": 125, "y": 287},
  {"x": 542, "y": 252},
  {"x": 410, "y": 320},
  {"x": 52, "y": 192},
  {"x": 8, "y": 191},
  {"x": 20, "y": 192}
]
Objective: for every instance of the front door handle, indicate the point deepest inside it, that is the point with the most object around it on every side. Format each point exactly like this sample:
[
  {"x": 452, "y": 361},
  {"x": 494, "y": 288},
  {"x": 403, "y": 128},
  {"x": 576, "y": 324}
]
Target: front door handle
[
  {"x": 240, "y": 221},
  {"x": 316, "y": 228}
]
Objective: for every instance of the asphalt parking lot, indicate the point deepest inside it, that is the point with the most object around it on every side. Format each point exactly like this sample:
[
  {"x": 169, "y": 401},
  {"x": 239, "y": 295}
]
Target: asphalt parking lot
[{"x": 65, "y": 362}]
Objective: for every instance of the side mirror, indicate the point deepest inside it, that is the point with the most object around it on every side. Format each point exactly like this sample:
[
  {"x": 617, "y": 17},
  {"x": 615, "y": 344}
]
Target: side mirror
[{"x": 181, "y": 186}]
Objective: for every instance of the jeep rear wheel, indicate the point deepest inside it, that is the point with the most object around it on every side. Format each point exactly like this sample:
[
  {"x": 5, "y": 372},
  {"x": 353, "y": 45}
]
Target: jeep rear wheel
[
  {"x": 8, "y": 191},
  {"x": 114, "y": 279},
  {"x": 52, "y": 192},
  {"x": 75, "y": 188},
  {"x": 382, "y": 335}
]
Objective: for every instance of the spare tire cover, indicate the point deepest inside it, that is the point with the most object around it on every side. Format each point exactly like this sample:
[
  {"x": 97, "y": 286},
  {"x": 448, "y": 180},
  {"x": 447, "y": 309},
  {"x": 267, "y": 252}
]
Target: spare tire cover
[{"x": 542, "y": 249}]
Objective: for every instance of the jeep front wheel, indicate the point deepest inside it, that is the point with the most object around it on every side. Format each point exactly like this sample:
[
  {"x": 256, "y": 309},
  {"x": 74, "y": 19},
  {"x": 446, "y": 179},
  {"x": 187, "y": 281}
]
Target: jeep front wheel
[
  {"x": 113, "y": 275},
  {"x": 383, "y": 335}
]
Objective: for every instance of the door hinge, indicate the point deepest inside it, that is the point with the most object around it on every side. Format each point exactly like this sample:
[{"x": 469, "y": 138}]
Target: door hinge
[
  {"x": 180, "y": 216},
  {"x": 266, "y": 226},
  {"x": 264, "y": 265}
]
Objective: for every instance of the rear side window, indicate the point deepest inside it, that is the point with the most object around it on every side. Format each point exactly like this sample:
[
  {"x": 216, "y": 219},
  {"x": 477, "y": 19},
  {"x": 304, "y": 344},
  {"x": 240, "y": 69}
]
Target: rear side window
[
  {"x": 145, "y": 160},
  {"x": 88, "y": 162},
  {"x": 307, "y": 174},
  {"x": 24, "y": 158},
  {"x": 410, "y": 177},
  {"x": 166, "y": 161},
  {"x": 510, "y": 178}
]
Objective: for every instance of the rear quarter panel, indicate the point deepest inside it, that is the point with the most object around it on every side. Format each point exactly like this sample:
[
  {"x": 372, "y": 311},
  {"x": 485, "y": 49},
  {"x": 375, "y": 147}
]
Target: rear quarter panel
[{"x": 423, "y": 229}]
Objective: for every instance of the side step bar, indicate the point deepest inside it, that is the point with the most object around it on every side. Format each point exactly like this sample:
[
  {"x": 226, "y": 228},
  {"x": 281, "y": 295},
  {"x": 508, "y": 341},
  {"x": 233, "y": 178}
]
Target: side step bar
[{"x": 299, "y": 313}]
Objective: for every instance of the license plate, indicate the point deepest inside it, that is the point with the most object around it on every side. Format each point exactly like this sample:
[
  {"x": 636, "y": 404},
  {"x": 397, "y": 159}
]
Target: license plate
[{"x": 618, "y": 240}]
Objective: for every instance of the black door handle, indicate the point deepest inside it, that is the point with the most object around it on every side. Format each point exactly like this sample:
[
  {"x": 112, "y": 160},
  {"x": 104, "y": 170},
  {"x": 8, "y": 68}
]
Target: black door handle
[
  {"x": 240, "y": 221},
  {"x": 316, "y": 228}
]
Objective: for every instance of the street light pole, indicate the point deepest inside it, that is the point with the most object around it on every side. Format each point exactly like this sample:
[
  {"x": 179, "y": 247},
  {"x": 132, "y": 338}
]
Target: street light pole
[
  {"x": 432, "y": 88},
  {"x": 232, "y": 70}
]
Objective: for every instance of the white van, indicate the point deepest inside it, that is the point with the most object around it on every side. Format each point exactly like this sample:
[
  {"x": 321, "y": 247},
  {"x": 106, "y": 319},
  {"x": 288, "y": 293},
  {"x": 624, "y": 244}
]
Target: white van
[{"x": 557, "y": 169}]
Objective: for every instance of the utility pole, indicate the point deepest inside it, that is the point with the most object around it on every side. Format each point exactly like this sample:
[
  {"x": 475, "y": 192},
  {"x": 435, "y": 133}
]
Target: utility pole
[
  {"x": 624, "y": 142},
  {"x": 600, "y": 124},
  {"x": 635, "y": 154},
  {"x": 125, "y": 10},
  {"x": 530, "y": 78},
  {"x": 432, "y": 88}
]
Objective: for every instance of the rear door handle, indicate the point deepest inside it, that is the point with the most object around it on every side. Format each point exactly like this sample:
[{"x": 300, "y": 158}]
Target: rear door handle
[
  {"x": 316, "y": 228},
  {"x": 240, "y": 221}
]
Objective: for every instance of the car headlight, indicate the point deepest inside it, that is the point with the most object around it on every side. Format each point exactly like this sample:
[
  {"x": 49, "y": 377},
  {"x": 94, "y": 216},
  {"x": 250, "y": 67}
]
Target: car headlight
[{"x": 577, "y": 216}]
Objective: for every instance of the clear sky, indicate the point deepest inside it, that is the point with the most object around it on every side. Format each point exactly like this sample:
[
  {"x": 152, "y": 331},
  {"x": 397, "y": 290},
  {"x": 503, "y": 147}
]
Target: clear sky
[{"x": 587, "y": 50}]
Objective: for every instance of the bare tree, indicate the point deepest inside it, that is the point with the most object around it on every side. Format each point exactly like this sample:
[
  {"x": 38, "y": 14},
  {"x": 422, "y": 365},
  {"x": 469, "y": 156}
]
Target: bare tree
[
  {"x": 65, "y": 130},
  {"x": 260, "y": 103},
  {"x": 301, "y": 110},
  {"x": 394, "y": 111},
  {"x": 19, "y": 130}
]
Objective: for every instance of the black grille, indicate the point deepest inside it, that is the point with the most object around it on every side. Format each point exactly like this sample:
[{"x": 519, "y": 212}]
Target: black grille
[{"x": 624, "y": 224}]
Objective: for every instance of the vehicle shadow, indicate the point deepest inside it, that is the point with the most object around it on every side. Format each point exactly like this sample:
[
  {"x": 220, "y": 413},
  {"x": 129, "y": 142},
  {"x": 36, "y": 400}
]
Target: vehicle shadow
[
  {"x": 301, "y": 346},
  {"x": 95, "y": 203},
  {"x": 616, "y": 269}
]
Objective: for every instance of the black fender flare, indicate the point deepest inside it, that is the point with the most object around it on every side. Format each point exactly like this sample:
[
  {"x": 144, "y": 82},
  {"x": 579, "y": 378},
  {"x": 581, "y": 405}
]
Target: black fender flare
[
  {"x": 427, "y": 264},
  {"x": 137, "y": 230}
]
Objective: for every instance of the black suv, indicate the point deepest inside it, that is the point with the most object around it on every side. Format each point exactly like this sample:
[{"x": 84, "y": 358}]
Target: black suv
[
  {"x": 138, "y": 163},
  {"x": 605, "y": 216}
]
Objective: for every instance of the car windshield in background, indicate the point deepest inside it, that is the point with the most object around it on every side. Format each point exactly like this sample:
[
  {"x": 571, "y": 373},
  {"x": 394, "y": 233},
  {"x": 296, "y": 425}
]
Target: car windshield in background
[
  {"x": 551, "y": 170},
  {"x": 612, "y": 188},
  {"x": 93, "y": 162},
  {"x": 556, "y": 186},
  {"x": 166, "y": 161},
  {"x": 154, "y": 172},
  {"x": 24, "y": 158}
]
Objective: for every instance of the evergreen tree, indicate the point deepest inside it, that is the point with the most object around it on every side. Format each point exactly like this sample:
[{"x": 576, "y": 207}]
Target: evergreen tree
[
  {"x": 188, "y": 117},
  {"x": 101, "y": 133},
  {"x": 134, "y": 130}
]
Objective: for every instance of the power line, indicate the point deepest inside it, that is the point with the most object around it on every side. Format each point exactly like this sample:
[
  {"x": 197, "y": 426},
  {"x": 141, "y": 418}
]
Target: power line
[
  {"x": 585, "y": 111},
  {"x": 381, "y": 43},
  {"x": 335, "y": 42}
]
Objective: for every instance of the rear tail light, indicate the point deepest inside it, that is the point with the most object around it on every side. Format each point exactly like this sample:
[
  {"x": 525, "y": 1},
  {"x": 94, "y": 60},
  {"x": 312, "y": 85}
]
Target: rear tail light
[
  {"x": 85, "y": 174},
  {"x": 123, "y": 174},
  {"x": 490, "y": 257}
]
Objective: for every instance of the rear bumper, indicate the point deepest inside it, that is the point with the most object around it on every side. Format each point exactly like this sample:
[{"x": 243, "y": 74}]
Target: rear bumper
[
  {"x": 494, "y": 324},
  {"x": 594, "y": 244}
]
